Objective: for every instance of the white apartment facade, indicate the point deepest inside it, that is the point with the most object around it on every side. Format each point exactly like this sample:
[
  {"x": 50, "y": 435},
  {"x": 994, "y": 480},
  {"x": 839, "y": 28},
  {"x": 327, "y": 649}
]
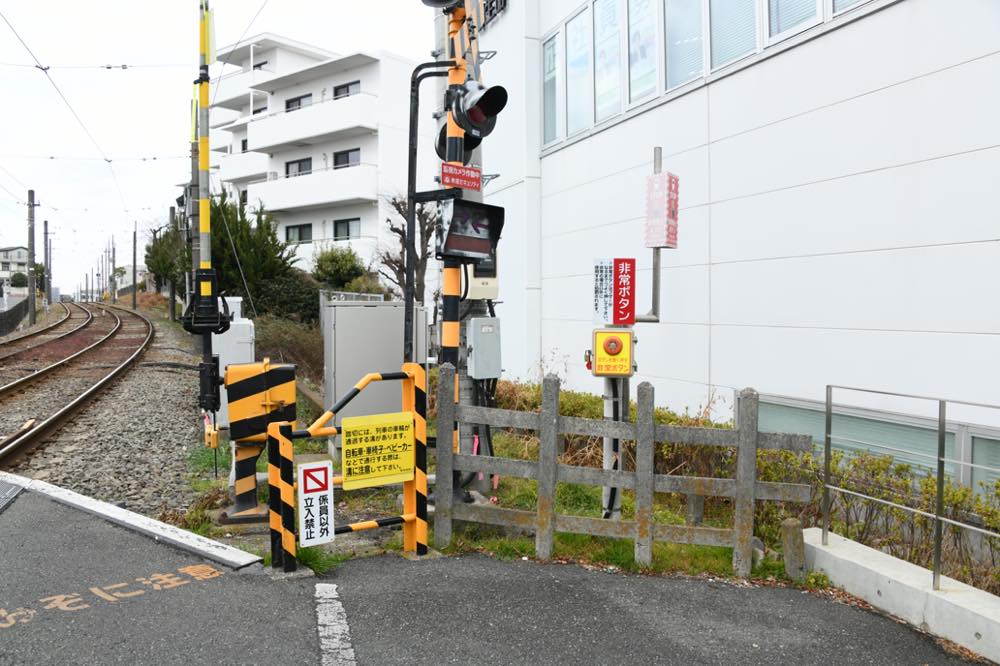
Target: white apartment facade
[
  {"x": 319, "y": 140},
  {"x": 837, "y": 224},
  {"x": 12, "y": 260}
]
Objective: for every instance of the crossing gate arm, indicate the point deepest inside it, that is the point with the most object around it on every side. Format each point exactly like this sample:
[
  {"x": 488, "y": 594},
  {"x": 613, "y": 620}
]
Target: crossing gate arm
[{"x": 319, "y": 429}]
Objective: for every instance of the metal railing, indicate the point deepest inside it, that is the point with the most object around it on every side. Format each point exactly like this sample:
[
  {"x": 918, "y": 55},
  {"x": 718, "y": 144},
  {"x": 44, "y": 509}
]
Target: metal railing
[{"x": 941, "y": 458}]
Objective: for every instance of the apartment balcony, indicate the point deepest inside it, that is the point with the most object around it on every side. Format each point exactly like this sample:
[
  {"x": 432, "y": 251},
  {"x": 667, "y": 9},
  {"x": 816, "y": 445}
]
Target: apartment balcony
[
  {"x": 241, "y": 167},
  {"x": 232, "y": 91},
  {"x": 327, "y": 187},
  {"x": 319, "y": 122}
]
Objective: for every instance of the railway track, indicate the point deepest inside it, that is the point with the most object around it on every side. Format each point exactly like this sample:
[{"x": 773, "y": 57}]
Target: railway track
[
  {"x": 48, "y": 382},
  {"x": 71, "y": 316}
]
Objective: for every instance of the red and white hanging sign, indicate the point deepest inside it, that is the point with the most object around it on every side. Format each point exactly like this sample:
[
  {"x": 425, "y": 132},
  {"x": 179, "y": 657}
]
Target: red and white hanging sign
[
  {"x": 465, "y": 177},
  {"x": 662, "y": 201},
  {"x": 614, "y": 291}
]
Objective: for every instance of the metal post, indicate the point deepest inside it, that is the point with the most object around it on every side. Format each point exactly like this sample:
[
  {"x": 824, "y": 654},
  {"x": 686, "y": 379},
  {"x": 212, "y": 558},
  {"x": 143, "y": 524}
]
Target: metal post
[
  {"x": 418, "y": 75},
  {"x": 45, "y": 262},
  {"x": 114, "y": 267},
  {"x": 827, "y": 464},
  {"x": 939, "y": 508},
  {"x": 173, "y": 286},
  {"x": 31, "y": 258},
  {"x": 135, "y": 285},
  {"x": 653, "y": 316}
]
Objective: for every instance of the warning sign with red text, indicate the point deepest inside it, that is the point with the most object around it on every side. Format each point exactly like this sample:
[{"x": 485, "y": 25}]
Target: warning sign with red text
[
  {"x": 614, "y": 291},
  {"x": 315, "y": 503},
  {"x": 465, "y": 177}
]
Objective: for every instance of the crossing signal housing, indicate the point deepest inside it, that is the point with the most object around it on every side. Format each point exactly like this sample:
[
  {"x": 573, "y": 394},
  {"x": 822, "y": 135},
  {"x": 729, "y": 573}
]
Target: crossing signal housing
[
  {"x": 475, "y": 108},
  {"x": 443, "y": 4}
]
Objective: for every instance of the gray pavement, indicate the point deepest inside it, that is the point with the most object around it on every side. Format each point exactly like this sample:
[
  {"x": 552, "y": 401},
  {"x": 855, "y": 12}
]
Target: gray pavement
[
  {"x": 475, "y": 609},
  {"x": 81, "y": 590}
]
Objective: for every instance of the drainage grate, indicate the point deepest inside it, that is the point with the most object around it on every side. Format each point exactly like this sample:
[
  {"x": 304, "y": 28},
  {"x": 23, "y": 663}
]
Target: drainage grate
[{"x": 8, "y": 491}]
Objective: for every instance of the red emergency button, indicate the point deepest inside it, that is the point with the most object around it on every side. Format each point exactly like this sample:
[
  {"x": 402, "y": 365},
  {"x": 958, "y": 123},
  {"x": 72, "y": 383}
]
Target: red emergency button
[{"x": 613, "y": 345}]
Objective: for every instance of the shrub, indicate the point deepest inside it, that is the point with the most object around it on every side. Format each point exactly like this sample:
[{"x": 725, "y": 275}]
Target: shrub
[
  {"x": 294, "y": 296},
  {"x": 336, "y": 267},
  {"x": 19, "y": 280},
  {"x": 286, "y": 341}
]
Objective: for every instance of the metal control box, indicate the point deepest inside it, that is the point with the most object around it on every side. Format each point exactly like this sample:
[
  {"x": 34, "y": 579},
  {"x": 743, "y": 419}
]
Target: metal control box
[{"x": 483, "y": 340}]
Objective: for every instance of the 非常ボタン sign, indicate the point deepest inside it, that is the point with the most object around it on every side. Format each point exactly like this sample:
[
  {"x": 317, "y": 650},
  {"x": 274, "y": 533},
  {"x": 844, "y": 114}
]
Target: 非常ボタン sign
[
  {"x": 662, "y": 197},
  {"x": 613, "y": 352},
  {"x": 377, "y": 450},
  {"x": 465, "y": 177},
  {"x": 315, "y": 503},
  {"x": 614, "y": 291}
]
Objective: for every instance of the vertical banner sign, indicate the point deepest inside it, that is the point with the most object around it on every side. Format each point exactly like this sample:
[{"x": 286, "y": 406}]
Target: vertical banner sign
[
  {"x": 624, "y": 292},
  {"x": 315, "y": 503},
  {"x": 614, "y": 292},
  {"x": 662, "y": 200}
]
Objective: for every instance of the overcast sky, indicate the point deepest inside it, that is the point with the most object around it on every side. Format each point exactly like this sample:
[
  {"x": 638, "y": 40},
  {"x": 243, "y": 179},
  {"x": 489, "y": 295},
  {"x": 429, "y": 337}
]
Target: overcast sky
[{"x": 142, "y": 112}]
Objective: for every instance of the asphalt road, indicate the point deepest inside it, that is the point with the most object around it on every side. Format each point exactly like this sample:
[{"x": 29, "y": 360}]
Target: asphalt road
[
  {"x": 49, "y": 553},
  {"x": 475, "y": 609}
]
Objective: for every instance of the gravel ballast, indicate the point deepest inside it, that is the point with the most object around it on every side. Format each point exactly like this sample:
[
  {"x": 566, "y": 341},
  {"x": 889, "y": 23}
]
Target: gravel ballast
[{"x": 130, "y": 446}]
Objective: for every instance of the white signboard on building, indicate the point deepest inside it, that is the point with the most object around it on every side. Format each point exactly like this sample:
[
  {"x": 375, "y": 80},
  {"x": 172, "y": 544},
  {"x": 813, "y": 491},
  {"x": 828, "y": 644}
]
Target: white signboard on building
[{"x": 315, "y": 503}]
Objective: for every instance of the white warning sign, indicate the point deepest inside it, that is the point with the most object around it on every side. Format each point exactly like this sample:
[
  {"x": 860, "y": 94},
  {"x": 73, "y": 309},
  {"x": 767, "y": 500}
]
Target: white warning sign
[{"x": 315, "y": 503}]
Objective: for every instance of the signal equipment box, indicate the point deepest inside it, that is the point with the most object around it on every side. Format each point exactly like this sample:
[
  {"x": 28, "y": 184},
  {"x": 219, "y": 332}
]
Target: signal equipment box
[{"x": 483, "y": 339}]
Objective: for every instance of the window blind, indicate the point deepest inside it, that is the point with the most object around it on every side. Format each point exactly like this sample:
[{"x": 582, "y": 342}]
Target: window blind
[
  {"x": 786, "y": 14},
  {"x": 733, "y": 29}
]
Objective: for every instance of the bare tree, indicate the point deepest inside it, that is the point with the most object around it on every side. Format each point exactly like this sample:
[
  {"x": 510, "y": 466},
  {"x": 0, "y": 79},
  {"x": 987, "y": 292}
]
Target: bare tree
[{"x": 393, "y": 264}]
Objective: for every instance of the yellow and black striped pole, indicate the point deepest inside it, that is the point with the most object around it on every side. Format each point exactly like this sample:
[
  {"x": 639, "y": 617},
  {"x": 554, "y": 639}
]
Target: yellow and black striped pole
[
  {"x": 415, "y": 492},
  {"x": 286, "y": 470},
  {"x": 274, "y": 493},
  {"x": 245, "y": 486},
  {"x": 204, "y": 205}
]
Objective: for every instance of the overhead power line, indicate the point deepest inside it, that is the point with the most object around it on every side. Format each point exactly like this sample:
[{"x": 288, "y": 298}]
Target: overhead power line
[
  {"x": 110, "y": 67},
  {"x": 69, "y": 106},
  {"x": 148, "y": 158}
]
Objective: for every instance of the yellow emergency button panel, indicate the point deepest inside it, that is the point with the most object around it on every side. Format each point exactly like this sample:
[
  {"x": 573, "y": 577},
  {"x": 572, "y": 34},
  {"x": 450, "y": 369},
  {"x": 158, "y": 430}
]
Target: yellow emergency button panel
[{"x": 613, "y": 352}]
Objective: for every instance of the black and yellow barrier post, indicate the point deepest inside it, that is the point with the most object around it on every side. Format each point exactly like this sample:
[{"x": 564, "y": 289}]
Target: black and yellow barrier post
[
  {"x": 287, "y": 491},
  {"x": 415, "y": 492},
  {"x": 274, "y": 493}
]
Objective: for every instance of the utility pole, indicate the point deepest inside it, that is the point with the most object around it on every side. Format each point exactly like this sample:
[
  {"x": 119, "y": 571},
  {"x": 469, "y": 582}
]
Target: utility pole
[
  {"x": 86, "y": 286},
  {"x": 31, "y": 258},
  {"x": 173, "y": 286},
  {"x": 114, "y": 278},
  {"x": 48, "y": 274},
  {"x": 45, "y": 262},
  {"x": 135, "y": 285}
]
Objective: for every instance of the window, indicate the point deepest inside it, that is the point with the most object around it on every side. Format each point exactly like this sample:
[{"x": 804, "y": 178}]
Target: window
[
  {"x": 684, "y": 42},
  {"x": 783, "y": 15},
  {"x": 346, "y": 90},
  {"x": 5, "y": 266},
  {"x": 259, "y": 109},
  {"x": 550, "y": 129},
  {"x": 733, "y": 29},
  {"x": 985, "y": 452},
  {"x": 346, "y": 229},
  {"x": 578, "y": 113},
  {"x": 243, "y": 197},
  {"x": 347, "y": 158},
  {"x": 243, "y": 145},
  {"x": 299, "y": 233},
  {"x": 607, "y": 59},
  {"x": 260, "y": 65},
  {"x": 841, "y": 5},
  {"x": 296, "y": 103},
  {"x": 642, "y": 55},
  {"x": 298, "y": 167}
]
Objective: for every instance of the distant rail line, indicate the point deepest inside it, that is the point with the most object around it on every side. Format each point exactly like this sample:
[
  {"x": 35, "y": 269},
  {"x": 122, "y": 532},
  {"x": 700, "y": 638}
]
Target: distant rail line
[{"x": 44, "y": 382}]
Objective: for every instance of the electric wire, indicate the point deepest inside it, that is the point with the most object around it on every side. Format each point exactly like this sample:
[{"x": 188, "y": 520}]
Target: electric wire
[
  {"x": 148, "y": 158},
  {"x": 69, "y": 106},
  {"x": 215, "y": 93},
  {"x": 239, "y": 265}
]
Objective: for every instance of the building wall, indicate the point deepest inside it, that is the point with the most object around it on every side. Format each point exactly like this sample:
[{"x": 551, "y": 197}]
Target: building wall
[{"x": 835, "y": 222}]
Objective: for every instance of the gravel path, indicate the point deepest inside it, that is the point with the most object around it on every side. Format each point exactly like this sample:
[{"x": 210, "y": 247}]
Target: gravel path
[{"x": 131, "y": 444}]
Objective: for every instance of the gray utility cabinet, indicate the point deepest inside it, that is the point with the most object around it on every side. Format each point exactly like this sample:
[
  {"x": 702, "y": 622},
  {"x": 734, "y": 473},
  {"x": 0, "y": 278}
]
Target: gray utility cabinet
[{"x": 361, "y": 337}]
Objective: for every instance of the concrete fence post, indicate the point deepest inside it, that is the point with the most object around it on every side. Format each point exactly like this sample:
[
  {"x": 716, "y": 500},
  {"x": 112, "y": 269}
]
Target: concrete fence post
[
  {"x": 548, "y": 443},
  {"x": 443, "y": 491},
  {"x": 644, "y": 475},
  {"x": 746, "y": 479},
  {"x": 793, "y": 548}
]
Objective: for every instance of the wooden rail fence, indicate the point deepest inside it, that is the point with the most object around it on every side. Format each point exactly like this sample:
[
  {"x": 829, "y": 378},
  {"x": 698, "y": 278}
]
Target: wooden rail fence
[{"x": 744, "y": 489}]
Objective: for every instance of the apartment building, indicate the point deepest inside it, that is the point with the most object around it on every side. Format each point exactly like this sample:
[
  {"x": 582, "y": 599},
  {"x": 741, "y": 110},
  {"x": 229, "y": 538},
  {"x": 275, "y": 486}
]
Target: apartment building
[
  {"x": 837, "y": 224},
  {"x": 12, "y": 260},
  {"x": 319, "y": 139}
]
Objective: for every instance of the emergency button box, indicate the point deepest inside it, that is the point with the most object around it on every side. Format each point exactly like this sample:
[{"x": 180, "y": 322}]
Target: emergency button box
[{"x": 613, "y": 352}]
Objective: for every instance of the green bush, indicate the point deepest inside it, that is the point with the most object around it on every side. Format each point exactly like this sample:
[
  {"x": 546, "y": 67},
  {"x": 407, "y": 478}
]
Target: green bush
[
  {"x": 286, "y": 341},
  {"x": 19, "y": 280},
  {"x": 294, "y": 296},
  {"x": 336, "y": 267}
]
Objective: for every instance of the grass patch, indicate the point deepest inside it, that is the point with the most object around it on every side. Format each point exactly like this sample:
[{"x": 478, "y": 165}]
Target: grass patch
[{"x": 320, "y": 560}]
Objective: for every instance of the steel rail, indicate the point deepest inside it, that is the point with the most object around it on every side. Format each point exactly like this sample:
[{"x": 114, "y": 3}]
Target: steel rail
[
  {"x": 27, "y": 437},
  {"x": 17, "y": 384},
  {"x": 39, "y": 331},
  {"x": 86, "y": 322}
]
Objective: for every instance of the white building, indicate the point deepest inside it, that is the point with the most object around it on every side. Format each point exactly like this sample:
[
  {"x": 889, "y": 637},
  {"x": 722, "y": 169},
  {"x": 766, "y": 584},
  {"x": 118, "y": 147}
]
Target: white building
[
  {"x": 319, "y": 139},
  {"x": 837, "y": 219},
  {"x": 12, "y": 260}
]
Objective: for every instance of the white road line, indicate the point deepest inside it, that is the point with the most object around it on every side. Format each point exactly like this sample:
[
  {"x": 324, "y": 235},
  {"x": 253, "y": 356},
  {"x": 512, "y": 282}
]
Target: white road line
[{"x": 334, "y": 634}]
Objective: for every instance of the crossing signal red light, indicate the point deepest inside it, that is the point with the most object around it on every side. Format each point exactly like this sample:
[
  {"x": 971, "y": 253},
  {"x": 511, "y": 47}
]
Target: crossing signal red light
[{"x": 476, "y": 108}]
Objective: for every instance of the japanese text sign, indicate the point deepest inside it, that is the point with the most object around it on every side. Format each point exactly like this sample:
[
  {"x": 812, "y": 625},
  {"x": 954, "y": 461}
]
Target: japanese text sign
[
  {"x": 662, "y": 200},
  {"x": 378, "y": 450},
  {"x": 614, "y": 291},
  {"x": 465, "y": 177},
  {"x": 315, "y": 503}
]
